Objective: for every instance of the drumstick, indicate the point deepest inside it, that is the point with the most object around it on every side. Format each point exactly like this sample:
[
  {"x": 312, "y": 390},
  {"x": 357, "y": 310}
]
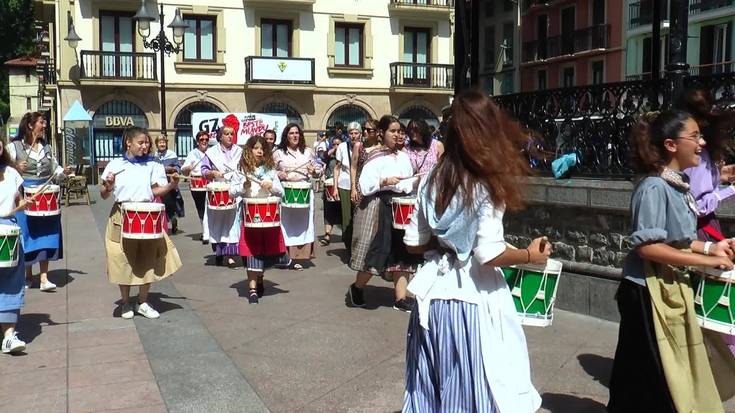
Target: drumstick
[
  {"x": 118, "y": 172},
  {"x": 179, "y": 176},
  {"x": 297, "y": 167}
]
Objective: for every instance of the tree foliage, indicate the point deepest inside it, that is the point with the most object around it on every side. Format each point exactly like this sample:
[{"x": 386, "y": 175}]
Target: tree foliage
[{"x": 17, "y": 34}]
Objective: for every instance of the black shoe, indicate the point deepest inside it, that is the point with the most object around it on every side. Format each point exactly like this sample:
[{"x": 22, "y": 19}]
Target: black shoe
[
  {"x": 219, "y": 260},
  {"x": 260, "y": 287},
  {"x": 404, "y": 304},
  {"x": 356, "y": 298},
  {"x": 174, "y": 225},
  {"x": 253, "y": 297}
]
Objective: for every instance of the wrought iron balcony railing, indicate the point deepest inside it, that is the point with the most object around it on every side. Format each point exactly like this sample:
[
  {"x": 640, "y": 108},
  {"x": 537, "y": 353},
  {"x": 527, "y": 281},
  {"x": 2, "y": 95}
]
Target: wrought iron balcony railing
[
  {"x": 118, "y": 65},
  {"x": 46, "y": 71},
  {"x": 641, "y": 13},
  {"x": 589, "y": 38},
  {"x": 281, "y": 70},
  {"x": 700, "y": 6},
  {"x": 712, "y": 69},
  {"x": 428, "y": 3},
  {"x": 422, "y": 75}
]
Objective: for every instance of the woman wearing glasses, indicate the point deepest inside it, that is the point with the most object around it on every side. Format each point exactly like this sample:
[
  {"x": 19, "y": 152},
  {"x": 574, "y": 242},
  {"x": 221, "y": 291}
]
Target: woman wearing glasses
[{"x": 193, "y": 166}]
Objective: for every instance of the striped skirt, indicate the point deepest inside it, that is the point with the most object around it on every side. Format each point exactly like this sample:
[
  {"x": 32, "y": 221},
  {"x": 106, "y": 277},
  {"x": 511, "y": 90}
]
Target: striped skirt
[
  {"x": 364, "y": 228},
  {"x": 444, "y": 367}
]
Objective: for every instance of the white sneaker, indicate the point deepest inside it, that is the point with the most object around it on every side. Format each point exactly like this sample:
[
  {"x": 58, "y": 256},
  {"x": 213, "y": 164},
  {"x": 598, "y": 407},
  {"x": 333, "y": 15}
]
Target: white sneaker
[
  {"x": 146, "y": 311},
  {"x": 126, "y": 311},
  {"x": 29, "y": 283},
  {"x": 48, "y": 286},
  {"x": 13, "y": 344}
]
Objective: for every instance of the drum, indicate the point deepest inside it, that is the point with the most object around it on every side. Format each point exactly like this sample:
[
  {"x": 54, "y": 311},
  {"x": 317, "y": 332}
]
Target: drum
[
  {"x": 218, "y": 196},
  {"x": 142, "y": 220},
  {"x": 296, "y": 194},
  {"x": 403, "y": 211},
  {"x": 9, "y": 241},
  {"x": 45, "y": 203},
  {"x": 262, "y": 212},
  {"x": 714, "y": 299},
  {"x": 533, "y": 289},
  {"x": 198, "y": 183},
  {"x": 329, "y": 189}
]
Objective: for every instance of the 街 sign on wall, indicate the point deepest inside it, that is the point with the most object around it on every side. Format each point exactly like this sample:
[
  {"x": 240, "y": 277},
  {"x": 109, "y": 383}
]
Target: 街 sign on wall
[{"x": 244, "y": 124}]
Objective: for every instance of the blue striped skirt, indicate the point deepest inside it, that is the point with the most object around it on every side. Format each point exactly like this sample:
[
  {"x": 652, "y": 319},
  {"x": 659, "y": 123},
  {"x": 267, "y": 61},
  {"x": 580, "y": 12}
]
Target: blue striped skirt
[{"x": 444, "y": 367}]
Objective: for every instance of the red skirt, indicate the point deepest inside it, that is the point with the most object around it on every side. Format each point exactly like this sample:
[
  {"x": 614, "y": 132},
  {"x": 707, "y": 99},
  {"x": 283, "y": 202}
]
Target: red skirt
[{"x": 261, "y": 242}]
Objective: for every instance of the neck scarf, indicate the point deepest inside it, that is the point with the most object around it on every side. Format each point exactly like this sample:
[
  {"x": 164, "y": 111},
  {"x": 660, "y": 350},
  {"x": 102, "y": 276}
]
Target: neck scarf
[
  {"x": 137, "y": 159},
  {"x": 680, "y": 182}
]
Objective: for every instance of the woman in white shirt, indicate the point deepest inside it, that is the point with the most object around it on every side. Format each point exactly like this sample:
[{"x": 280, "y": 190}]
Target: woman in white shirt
[
  {"x": 466, "y": 350},
  {"x": 12, "y": 291},
  {"x": 36, "y": 162},
  {"x": 193, "y": 166},
  {"x": 136, "y": 177},
  {"x": 385, "y": 174},
  {"x": 343, "y": 182}
]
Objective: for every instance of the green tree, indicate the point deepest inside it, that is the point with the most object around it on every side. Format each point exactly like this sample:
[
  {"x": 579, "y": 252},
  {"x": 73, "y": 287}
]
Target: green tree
[{"x": 17, "y": 34}]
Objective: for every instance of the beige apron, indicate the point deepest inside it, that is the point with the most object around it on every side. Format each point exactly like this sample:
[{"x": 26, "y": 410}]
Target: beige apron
[
  {"x": 680, "y": 342},
  {"x": 137, "y": 262}
]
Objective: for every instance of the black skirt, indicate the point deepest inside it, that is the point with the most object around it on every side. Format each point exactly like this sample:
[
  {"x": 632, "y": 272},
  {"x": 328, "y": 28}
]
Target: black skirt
[
  {"x": 332, "y": 211},
  {"x": 638, "y": 383}
]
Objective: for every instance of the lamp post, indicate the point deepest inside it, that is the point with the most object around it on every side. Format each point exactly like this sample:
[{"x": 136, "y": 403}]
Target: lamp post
[{"x": 160, "y": 43}]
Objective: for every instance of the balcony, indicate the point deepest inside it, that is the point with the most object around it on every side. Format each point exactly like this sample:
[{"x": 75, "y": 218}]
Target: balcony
[
  {"x": 261, "y": 71},
  {"x": 701, "y": 6},
  {"x": 589, "y": 38},
  {"x": 712, "y": 69},
  {"x": 422, "y": 76},
  {"x": 421, "y": 8},
  {"x": 641, "y": 13},
  {"x": 46, "y": 71},
  {"x": 278, "y": 4},
  {"x": 118, "y": 66}
]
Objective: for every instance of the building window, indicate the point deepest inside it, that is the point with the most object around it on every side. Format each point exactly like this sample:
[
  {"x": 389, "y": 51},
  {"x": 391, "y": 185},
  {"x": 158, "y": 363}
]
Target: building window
[
  {"x": 508, "y": 43},
  {"x": 28, "y": 74},
  {"x": 347, "y": 113},
  {"x": 275, "y": 38},
  {"x": 199, "y": 38},
  {"x": 280, "y": 108},
  {"x": 490, "y": 48},
  {"x": 507, "y": 5},
  {"x": 29, "y": 102},
  {"x": 489, "y": 8},
  {"x": 184, "y": 128},
  {"x": 541, "y": 79},
  {"x": 598, "y": 72},
  {"x": 598, "y": 12},
  {"x": 506, "y": 83},
  {"x": 348, "y": 44},
  {"x": 117, "y": 36},
  {"x": 567, "y": 77}
]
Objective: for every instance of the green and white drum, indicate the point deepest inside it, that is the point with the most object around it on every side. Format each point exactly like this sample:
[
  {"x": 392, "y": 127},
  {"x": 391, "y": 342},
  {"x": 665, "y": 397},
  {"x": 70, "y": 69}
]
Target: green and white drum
[
  {"x": 9, "y": 241},
  {"x": 714, "y": 299},
  {"x": 296, "y": 194},
  {"x": 533, "y": 288}
]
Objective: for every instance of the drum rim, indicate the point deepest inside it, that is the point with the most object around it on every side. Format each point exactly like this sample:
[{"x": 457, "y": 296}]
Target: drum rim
[
  {"x": 218, "y": 186},
  {"x": 50, "y": 189},
  {"x": 148, "y": 206},
  {"x": 296, "y": 185},
  {"x": 400, "y": 200},
  {"x": 12, "y": 227},
  {"x": 272, "y": 199},
  {"x": 709, "y": 273}
]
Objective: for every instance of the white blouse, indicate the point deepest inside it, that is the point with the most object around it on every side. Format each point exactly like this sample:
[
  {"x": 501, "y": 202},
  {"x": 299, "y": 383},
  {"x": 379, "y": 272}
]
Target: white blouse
[
  {"x": 237, "y": 189},
  {"x": 133, "y": 181},
  {"x": 194, "y": 159},
  {"x": 387, "y": 166},
  {"x": 9, "y": 190},
  {"x": 36, "y": 155}
]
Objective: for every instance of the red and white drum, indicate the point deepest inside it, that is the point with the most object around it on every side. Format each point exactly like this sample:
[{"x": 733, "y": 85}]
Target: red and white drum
[
  {"x": 198, "y": 183},
  {"x": 262, "y": 212},
  {"x": 218, "y": 196},
  {"x": 329, "y": 189},
  {"x": 403, "y": 211},
  {"x": 142, "y": 220},
  {"x": 45, "y": 203}
]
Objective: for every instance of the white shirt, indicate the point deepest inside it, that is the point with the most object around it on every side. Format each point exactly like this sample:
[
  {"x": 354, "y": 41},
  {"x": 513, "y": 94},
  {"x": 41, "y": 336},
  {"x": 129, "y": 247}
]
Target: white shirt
[
  {"x": 9, "y": 190},
  {"x": 36, "y": 156},
  {"x": 387, "y": 166},
  {"x": 133, "y": 181},
  {"x": 320, "y": 146},
  {"x": 343, "y": 157},
  {"x": 194, "y": 158},
  {"x": 237, "y": 189}
]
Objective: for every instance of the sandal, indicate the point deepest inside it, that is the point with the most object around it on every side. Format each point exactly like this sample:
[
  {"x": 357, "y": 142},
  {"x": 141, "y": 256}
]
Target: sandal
[{"x": 325, "y": 240}]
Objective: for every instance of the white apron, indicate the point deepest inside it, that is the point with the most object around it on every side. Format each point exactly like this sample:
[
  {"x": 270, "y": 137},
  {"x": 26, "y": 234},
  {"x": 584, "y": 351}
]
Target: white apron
[
  {"x": 223, "y": 226},
  {"x": 297, "y": 224}
]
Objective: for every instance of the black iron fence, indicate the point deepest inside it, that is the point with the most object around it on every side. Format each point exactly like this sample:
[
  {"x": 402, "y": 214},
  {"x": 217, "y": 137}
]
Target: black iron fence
[
  {"x": 594, "y": 122},
  {"x": 589, "y": 38},
  {"x": 434, "y": 3},
  {"x": 699, "y": 6}
]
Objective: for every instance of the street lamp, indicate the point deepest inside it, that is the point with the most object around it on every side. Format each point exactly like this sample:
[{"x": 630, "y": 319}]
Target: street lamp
[
  {"x": 71, "y": 36},
  {"x": 160, "y": 43}
]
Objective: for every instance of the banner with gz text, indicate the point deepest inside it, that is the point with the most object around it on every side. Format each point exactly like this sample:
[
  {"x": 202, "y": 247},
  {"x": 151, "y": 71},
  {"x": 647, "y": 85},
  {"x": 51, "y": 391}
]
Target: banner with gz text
[{"x": 244, "y": 124}]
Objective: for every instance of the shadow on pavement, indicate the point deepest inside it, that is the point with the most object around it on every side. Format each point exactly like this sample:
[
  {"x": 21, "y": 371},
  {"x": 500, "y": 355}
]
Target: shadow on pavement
[
  {"x": 270, "y": 288},
  {"x": 597, "y": 366},
  {"x": 565, "y": 403},
  {"x": 375, "y": 296},
  {"x": 338, "y": 252},
  {"x": 29, "y": 325},
  {"x": 154, "y": 299},
  {"x": 62, "y": 277}
]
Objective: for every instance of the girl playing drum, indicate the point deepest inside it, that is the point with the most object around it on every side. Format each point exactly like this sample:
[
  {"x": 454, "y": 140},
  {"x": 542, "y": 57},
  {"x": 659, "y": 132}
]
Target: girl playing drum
[
  {"x": 466, "y": 350},
  {"x": 12, "y": 291},
  {"x": 34, "y": 158},
  {"x": 222, "y": 228},
  {"x": 193, "y": 166},
  {"x": 259, "y": 247},
  {"x": 660, "y": 362},
  {"x": 136, "y": 177}
]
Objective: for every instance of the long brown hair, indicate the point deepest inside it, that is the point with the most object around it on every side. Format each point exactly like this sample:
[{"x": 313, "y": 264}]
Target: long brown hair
[
  {"x": 27, "y": 122},
  {"x": 715, "y": 124},
  {"x": 5, "y": 159},
  {"x": 283, "y": 145},
  {"x": 248, "y": 162},
  {"x": 482, "y": 149},
  {"x": 648, "y": 153}
]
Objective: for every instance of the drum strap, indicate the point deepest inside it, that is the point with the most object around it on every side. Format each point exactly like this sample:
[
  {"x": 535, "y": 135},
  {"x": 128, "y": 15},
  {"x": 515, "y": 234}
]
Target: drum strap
[{"x": 717, "y": 235}]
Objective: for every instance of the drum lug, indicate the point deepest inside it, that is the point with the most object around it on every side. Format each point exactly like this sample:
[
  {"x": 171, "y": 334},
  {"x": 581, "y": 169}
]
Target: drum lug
[
  {"x": 516, "y": 292},
  {"x": 724, "y": 301}
]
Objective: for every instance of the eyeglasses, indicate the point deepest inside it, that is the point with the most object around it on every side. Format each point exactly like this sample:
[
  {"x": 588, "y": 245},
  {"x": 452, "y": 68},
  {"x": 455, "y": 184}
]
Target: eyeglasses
[
  {"x": 368, "y": 130},
  {"x": 203, "y": 140},
  {"x": 694, "y": 138}
]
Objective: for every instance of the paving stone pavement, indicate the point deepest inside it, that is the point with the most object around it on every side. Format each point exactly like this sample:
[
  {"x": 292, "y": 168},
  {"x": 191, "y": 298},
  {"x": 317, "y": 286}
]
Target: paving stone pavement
[{"x": 300, "y": 349}]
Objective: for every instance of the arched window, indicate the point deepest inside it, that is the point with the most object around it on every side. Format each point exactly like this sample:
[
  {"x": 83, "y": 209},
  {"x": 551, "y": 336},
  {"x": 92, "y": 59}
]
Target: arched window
[
  {"x": 346, "y": 114},
  {"x": 110, "y": 121},
  {"x": 419, "y": 112},
  {"x": 184, "y": 137},
  {"x": 280, "y": 108}
]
